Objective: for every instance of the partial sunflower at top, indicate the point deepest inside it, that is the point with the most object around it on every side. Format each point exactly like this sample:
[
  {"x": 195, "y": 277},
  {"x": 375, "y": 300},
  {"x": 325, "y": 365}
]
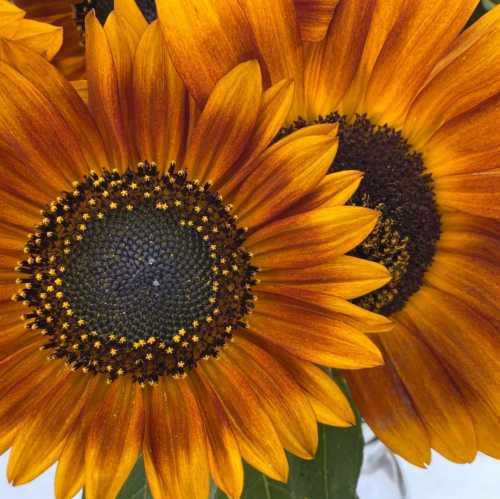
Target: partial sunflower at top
[
  {"x": 417, "y": 102},
  {"x": 40, "y": 37},
  {"x": 70, "y": 15},
  {"x": 167, "y": 286}
]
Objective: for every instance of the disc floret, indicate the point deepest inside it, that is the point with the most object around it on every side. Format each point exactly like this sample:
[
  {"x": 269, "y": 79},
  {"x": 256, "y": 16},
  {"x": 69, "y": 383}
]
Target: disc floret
[{"x": 136, "y": 274}]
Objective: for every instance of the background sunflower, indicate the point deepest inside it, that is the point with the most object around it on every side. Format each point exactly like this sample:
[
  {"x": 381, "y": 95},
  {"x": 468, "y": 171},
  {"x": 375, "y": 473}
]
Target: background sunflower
[{"x": 417, "y": 101}]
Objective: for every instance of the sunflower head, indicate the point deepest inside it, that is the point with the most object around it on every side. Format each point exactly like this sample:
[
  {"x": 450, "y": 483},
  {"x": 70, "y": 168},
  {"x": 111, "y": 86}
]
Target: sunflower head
[{"x": 175, "y": 262}]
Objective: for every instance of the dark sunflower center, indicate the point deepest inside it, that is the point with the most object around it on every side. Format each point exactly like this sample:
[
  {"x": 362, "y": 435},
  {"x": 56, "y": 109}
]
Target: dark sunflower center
[
  {"x": 140, "y": 274},
  {"x": 137, "y": 274},
  {"x": 396, "y": 183},
  {"x": 104, "y": 7}
]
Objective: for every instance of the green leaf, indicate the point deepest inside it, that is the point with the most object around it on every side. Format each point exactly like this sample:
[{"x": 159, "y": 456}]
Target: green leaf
[
  {"x": 333, "y": 474},
  {"x": 489, "y": 4},
  {"x": 136, "y": 486}
]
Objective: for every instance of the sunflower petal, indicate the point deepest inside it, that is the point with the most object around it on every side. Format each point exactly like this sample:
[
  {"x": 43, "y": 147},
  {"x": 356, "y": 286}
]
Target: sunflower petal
[
  {"x": 420, "y": 37},
  {"x": 42, "y": 38},
  {"x": 206, "y": 39},
  {"x": 346, "y": 277},
  {"x": 311, "y": 335},
  {"x": 159, "y": 101},
  {"x": 70, "y": 472},
  {"x": 282, "y": 399},
  {"x": 383, "y": 18},
  {"x": 284, "y": 174},
  {"x": 337, "y": 308},
  {"x": 104, "y": 92},
  {"x": 331, "y": 65},
  {"x": 334, "y": 190},
  {"x": 114, "y": 440},
  {"x": 35, "y": 130},
  {"x": 62, "y": 96},
  {"x": 226, "y": 123},
  {"x": 460, "y": 337},
  {"x": 471, "y": 280},
  {"x": 175, "y": 443},
  {"x": 223, "y": 452},
  {"x": 257, "y": 439},
  {"x": 468, "y": 75},
  {"x": 477, "y": 194},
  {"x": 276, "y": 103},
  {"x": 274, "y": 26},
  {"x": 129, "y": 10},
  {"x": 438, "y": 402},
  {"x": 287, "y": 243},
  {"x": 41, "y": 440},
  {"x": 466, "y": 144},
  {"x": 314, "y": 17},
  {"x": 389, "y": 411}
]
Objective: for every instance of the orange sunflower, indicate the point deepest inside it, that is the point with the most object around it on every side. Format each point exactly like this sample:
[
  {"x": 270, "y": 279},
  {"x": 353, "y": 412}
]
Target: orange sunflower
[
  {"x": 417, "y": 100},
  {"x": 43, "y": 38},
  {"x": 153, "y": 229},
  {"x": 70, "y": 15}
]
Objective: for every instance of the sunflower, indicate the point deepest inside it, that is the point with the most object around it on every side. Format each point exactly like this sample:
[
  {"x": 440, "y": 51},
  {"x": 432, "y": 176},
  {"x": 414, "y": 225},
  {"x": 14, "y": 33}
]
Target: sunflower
[
  {"x": 43, "y": 38},
  {"x": 417, "y": 101},
  {"x": 70, "y": 15},
  {"x": 154, "y": 228}
]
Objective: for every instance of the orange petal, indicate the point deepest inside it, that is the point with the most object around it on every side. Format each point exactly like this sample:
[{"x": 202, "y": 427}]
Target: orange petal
[
  {"x": 383, "y": 18},
  {"x": 386, "y": 406},
  {"x": 123, "y": 42},
  {"x": 70, "y": 472},
  {"x": 471, "y": 280},
  {"x": 31, "y": 126},
  {"x": 276, "y": 103},
  {"x": 206, "y": 39},
  {"x": 42, "y": 438},
  {"x": 327, "y": 399},
  {"x": 460, "y": 337},
  {"x": 477, "y": 193},
  {"x": 462, "y": 234},
  {"x": 62, "y": 96},
  {"x": 314, "y": 17},
  {"x": 466, "y": 144},
  {"x": 274, "y": 26},
  {"x": 159, "y": 101},
  {"x": 486, "y": 421},
  {"x": 311, "y": 335},
  {"x": 129, "y": 10},
  {"x": 420, "y": 37},
  {"x": 42, "y": 38},
  {"x": 334, "y": 190},
  {"x": 287, "y": 243},
  {"x": 283, "y": 175},
  {"x": 346, "y": 277},
  {"x": 175, "y": 443},
  {"x": 104, "y": 92},
  {"x": 114, "y": 440},
  {"x": 331, "y": 64},
  {"x": 223, "y": 452},
  {"x": 334, "y": 307},
  {"x": 468, "y": 75},
  {"x": 257, "y": 439},
  {"x": 434, "y": 394},
  {"x": 226, "y": 123},
  {"x": 282, "y": 398}
]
